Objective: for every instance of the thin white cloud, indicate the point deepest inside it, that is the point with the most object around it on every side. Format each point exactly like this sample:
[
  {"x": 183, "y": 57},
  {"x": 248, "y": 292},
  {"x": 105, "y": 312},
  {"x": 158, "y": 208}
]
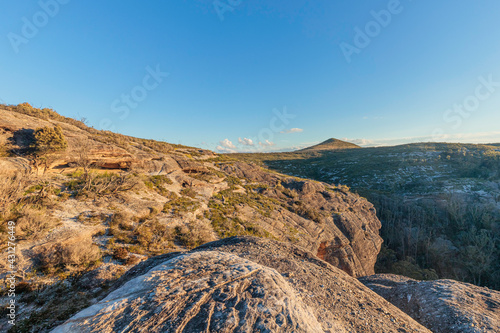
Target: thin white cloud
[
  {"x": 267, "y": 143},
  {"x": 227, "y": 144},
  {"x": 359, "y": 142},
  {"x": 222, "y": 149},
  {"x": 292, "y": 130},
  {"x": 246, "y": 141}
]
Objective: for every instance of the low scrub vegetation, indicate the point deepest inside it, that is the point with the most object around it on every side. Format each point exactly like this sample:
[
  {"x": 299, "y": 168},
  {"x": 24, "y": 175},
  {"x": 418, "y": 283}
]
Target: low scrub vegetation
[
  {"x": 181, "y": 205},
  {"x": 158, "y": 183},
  {"x": 34, "y": 223},
  {"x": 45, "y": 113},
  {"x": 194, "y": 234},
  {"x": 70, "y": 255},
  {"x": 222, "y": 213},
  {"x": 141, "y": 235},
  {"x": 95, "y": 184}
]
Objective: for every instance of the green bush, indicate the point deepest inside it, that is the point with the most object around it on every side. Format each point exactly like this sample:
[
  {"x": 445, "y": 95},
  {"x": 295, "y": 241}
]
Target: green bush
[
  {"x": 181, "y": 205},
  {"x": 157, "y": 183},
  {"x": 49, "y": 139},
  {"x": 155, "y": 237}
]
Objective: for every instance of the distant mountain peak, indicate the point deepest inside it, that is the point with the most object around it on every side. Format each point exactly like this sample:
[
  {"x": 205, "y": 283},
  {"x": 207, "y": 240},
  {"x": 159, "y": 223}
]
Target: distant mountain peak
[{"x": 332, "y": 144}]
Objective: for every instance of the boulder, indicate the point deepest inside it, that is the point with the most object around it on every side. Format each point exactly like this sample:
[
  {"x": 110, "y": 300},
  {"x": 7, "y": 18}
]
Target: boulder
[{"x": 443, "y": 306}]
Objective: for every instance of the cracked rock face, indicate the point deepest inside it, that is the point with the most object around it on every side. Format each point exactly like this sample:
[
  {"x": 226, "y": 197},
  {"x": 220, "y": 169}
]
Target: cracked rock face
[
  {"x": 444, "y": 306},
  {"x": 240, "y": 284},
  {"x": 197, "y": 292}
]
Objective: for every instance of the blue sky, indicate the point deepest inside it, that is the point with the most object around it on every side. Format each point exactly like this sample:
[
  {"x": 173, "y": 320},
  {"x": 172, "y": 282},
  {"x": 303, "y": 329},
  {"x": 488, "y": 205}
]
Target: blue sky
[{"x": 236, "y": 75}]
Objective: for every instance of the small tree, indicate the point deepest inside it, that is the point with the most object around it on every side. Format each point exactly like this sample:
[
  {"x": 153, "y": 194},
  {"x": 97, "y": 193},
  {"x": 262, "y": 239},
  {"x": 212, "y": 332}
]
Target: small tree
[{"x": 47, "y": 140}]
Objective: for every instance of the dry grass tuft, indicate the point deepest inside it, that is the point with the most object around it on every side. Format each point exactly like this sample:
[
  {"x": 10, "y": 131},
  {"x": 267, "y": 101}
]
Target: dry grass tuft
[
  {"x": 34, "y": 223},
  {"x": 12, "y": 187},
  {"x": 194, "y": 234},
  {"x": 73, "y": 254}
]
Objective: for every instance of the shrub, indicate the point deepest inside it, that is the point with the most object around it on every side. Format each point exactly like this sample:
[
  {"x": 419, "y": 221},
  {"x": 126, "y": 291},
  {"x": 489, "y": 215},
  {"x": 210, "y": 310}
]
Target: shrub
[
  {"x": 157, "y": 183},
  {"x": 26, "y": 108},
  {"x": 194, "y": 234},
  {"x": 226, "y": 226},
  {"x": 49, "y": 139},
  {"x": 227, "y": 201},
  {"x": 133, "y": 260},
  {"x": 12, "y": 187},
  {"x": 34, "y": 223},
  {"x": 181, "y": 205},
  {"x": 96, "y": 184},
  {"x": 4, "y": 151},
  {"x": 46, "y": 113},
  {"x": 122, "y": 220},
  {"x": 154, "y": 236},
  {"x": 344, "y": 188},
  {"x": 306, "y": 212},
  {"x": 188, "y": 192},
  {"x": 120, "y": 253},
  {"x": 74, "y": 254}
]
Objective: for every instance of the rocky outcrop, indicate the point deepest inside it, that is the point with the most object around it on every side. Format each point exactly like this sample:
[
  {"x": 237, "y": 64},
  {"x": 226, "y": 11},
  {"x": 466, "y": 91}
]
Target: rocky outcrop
[
  {"x": 240, "y": 285},
  {"x": 17, "y": 130},
  {"x": 108, "y": 157},
  {"x": 338, "y": 226},
  {"x": 14, "y": 164},
  {"x": 443, "y": 306}
]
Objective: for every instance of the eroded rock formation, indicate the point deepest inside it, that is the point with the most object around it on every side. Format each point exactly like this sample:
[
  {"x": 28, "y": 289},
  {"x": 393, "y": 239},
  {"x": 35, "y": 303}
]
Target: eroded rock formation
[
  {"x": 240, "y": 285},
  {"x": 338, "y": 226},
  {"x": 443, "y": 306}
]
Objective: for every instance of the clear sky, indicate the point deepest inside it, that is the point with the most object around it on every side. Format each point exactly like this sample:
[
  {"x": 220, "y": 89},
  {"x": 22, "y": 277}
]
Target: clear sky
[{"x": 260, "y": 75}]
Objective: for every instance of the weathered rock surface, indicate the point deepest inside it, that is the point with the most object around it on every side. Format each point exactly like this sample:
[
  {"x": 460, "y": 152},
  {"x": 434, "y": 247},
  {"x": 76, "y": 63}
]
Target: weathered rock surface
[
  {"x": 443, "y": 306},
  {"x": 240, "y": 285},
  {"x": 339, "y": 227}
]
